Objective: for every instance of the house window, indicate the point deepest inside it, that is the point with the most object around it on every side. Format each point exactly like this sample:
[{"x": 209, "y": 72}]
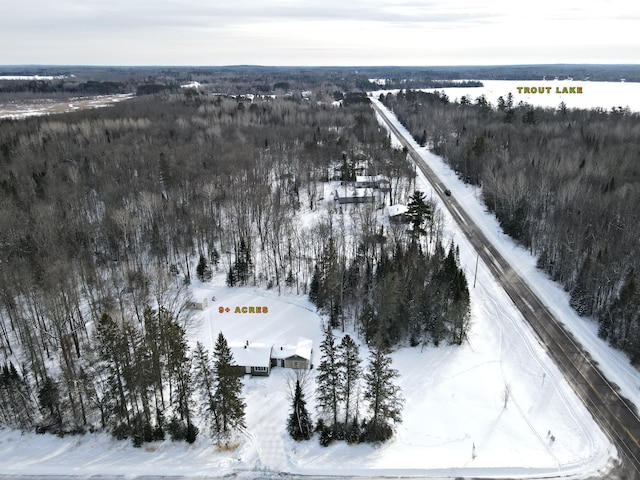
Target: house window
[
  {"x": 295, "y": 364},
  {"x": 259, "y": 369}
]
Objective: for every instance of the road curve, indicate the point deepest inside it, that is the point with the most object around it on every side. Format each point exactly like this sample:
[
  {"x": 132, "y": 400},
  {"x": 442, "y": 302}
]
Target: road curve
[{"x": 615, "y": 415}]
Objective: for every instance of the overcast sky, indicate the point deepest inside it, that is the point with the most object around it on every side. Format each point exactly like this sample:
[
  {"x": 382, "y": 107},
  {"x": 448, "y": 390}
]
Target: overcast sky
[{"x": 323, "y": 32}]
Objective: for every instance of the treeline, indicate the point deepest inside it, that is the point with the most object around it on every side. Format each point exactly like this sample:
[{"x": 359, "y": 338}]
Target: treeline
[
  {"x": 405, "y": 296},
  {"x": 564, "y": 183},
  {"x": 342, "y": 385},
  {"x": 420, "y": 82},
  {"x": 593, "y": 72},
  {"x": 323, "y": 83},
  {"x": 62, "y": 86},
  {"x": 128, "y": 379}
]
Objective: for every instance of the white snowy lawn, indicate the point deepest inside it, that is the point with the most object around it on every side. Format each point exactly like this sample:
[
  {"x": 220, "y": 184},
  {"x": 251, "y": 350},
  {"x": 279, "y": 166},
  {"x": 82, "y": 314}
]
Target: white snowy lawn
[
  {"x": 455, "y": 422},
  {"x": 454, "y": 400}
]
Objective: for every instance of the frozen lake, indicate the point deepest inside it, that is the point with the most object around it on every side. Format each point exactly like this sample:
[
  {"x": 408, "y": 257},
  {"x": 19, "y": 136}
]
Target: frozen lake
[{"x": 594, "y": 94}]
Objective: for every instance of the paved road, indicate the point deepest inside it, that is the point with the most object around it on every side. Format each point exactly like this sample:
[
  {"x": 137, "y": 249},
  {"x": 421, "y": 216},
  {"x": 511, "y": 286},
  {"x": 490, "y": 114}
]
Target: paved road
[{"x": 614, "y": 414}]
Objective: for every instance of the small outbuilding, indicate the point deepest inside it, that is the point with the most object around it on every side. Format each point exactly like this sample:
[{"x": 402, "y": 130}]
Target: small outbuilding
[
  {"x": 198, "y": 300},
  {"x": 197, "y": 304}
]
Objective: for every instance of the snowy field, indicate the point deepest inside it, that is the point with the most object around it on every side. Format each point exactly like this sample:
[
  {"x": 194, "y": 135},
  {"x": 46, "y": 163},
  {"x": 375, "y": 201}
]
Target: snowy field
[
  {"x": 594, "y": 94},
  {"x": 23, "y": 109},
  {"x": 454, "y": 420}
]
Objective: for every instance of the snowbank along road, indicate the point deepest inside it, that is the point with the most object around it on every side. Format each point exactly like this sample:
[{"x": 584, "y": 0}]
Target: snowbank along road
[{"x": 613, "y": 413}]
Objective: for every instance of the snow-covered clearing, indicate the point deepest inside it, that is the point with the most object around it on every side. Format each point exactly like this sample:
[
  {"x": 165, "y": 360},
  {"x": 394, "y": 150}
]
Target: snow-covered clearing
[
  {"x": 31, "y": 108},
  {"x": 454, "y": 409},
  {"x": 456, "y": 420}
]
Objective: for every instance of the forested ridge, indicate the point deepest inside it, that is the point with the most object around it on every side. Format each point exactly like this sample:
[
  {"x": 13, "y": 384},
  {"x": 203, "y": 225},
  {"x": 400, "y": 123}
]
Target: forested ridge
[
  {"x": 104, "y": 215},
  {"x": 564, "y": 183}
]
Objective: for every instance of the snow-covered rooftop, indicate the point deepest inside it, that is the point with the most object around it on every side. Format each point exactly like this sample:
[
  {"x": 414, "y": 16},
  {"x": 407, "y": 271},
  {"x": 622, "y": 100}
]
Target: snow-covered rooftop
[
  {"x": 301, "y": 349},
  {"x": 398, "y": 209},
  {"x": 251, "y": 355}
]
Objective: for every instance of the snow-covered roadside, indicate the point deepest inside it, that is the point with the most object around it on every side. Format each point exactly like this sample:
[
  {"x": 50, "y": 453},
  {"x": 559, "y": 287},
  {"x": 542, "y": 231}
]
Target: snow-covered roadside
[{"x": 614, "y": 364}]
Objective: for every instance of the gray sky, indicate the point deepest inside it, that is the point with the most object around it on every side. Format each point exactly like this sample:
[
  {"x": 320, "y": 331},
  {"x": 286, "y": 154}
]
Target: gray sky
[{"x": 323, "y": 32}]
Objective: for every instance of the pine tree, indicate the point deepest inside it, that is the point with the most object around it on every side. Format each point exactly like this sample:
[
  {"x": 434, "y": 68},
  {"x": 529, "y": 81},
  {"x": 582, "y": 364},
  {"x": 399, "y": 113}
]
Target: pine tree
[
  {"x": 179, "y": 370},
  {"x": 16, "y": 408},
  {"x": 330, "y": 284},
  {"x": 300, "y": 426},
  {"x": 49, "y": 399},
  {"x": 231, "y": 278},
  {"x": 418, "y": 212},
  {"x": 315, "y": 294},
  {"x": 203, "y": 377},
  {"x": 203, "y": 271},
  {"x": 385, "y": 402},
  {"x": 228, "y": 402},
  {"x": 329, "y": 378},
  {"x": 243, "y": 266},
  {"x": 349, "y": 362}
]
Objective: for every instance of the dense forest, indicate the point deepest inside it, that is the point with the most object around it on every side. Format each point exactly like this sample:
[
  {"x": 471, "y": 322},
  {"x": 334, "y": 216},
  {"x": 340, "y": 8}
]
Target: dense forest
[
  {"x": 107, "y": 216},
  {"x": 564, "y": 183}
]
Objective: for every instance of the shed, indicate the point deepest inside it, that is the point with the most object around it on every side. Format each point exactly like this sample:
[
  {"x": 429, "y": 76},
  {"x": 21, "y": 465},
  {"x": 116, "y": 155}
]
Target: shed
[{"x": 197, "y": 304}]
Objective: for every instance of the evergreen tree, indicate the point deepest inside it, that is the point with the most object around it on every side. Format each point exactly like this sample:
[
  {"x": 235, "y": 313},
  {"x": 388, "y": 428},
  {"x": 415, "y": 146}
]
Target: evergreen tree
[
  {"x": 315, "y": 293},
  {"x": 204, "y": 379},
  {"x": 184, "y": 385},
  {"x": 349, "y": 362},
  {"x": 243, "y": 265},
  {"x": 418, "y": 212},
  {"x": 49, "y": 398},
  {"x": 203, "y": 271},
  {"x": 329, "y": 378},
  {"x": 16, "y": 408},
  {"x": 231, "y": 278},
  {"x": 228, "y": 402},
  {"x": 300, "y": 426},
  {"x": 330, "y": 286},
  {"x": 385, "y": 402}
]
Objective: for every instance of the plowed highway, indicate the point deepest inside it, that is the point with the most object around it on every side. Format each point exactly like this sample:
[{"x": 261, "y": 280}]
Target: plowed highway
[{"x": 614, "y": 414}]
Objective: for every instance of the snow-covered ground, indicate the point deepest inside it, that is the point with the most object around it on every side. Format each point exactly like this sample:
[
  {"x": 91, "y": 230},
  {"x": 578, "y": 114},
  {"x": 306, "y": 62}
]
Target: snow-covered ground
[
  {"x": 455, "y": 423},
  {"x": 454, "y": 420},
  {"x": 32, "y": 108}
]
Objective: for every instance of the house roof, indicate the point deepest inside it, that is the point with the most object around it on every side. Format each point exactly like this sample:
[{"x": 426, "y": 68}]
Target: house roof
[
  {"x": 251, "y": 355},
  {"x": 370, "y": 178},
  {"x": 301, "y": 349},
  {"x": 396, "y": 210},
  {"x": 351, "y": 192}
]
